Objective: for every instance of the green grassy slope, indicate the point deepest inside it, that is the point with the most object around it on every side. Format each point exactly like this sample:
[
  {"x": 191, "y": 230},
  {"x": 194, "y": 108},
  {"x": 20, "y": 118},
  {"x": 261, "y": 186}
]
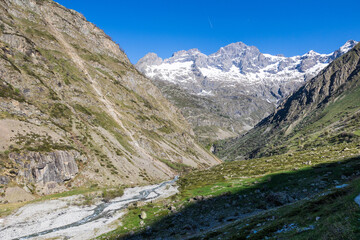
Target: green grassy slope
[{"x": 252, "y": 192}]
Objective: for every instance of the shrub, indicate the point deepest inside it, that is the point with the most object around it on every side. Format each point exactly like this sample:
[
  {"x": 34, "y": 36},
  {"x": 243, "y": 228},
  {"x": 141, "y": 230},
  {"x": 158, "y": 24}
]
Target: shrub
[{"x": 111, "y": 194}]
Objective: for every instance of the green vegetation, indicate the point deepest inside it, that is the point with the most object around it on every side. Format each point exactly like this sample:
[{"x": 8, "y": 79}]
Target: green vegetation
[
  {"x": 332, "y": 216},
  {"x": 8, "y": 91},
  {"x": 60, "y": 65},
  {"x": 107, "y": 194},
  {"x": 82, "y": 109},
  {"x": 334, "y": 123},
  {"x": 59, "y": 110},
  {"x": 131, "y": 222},
  {"x": 240, "y": 189},
  {"x": 230, "y": 175},
  {"x": 357, "y": 132},
  {"x": 37, "y": 143},
  {"x": 87, "y": 55},
  {"x": 107, "y": 122},
  {"x": 33, "y": 32},
  {"x": 180, "y": 167},
  {"x": 5, "y": 114}
]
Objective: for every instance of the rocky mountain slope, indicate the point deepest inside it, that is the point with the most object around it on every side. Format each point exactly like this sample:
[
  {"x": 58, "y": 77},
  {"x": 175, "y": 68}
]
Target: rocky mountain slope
[
  {"x": 74, "y": 111},
  {"x": 233, "y": 88},
  {"x": 323, "y": 112}
]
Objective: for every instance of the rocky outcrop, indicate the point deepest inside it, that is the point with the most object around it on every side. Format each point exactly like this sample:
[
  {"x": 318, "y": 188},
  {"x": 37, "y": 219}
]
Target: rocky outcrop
[{"x": 42, "y": 168}]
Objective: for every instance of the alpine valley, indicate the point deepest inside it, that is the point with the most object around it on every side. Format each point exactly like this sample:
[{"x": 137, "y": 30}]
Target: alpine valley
[{"x": 234, "y": 145}]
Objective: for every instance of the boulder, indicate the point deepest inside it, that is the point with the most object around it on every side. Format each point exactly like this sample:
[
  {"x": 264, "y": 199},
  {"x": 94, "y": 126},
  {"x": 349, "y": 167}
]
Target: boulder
[
  {"x": 279, "y": 198},
  {"x": 143, "y": 215}
]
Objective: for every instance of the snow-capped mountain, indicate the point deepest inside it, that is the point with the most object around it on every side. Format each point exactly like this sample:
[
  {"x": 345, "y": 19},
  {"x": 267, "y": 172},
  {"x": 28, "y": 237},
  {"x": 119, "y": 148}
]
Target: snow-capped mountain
[
  {"x": 237, "y": 70},
  {"x": 236, "y": 64}
]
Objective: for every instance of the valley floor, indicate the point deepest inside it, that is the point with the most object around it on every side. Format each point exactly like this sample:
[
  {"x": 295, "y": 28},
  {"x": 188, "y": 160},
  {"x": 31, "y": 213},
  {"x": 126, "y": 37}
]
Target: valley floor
[
  {"x": 292, "y": 196},
  {"x": 305, "y": 194},
  {"x": 68, "y": 217}
]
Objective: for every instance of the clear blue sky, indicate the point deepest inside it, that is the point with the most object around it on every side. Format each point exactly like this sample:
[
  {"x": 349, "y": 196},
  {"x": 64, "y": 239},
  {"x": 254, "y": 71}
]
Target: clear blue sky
[{"x": 289, "y": 27}]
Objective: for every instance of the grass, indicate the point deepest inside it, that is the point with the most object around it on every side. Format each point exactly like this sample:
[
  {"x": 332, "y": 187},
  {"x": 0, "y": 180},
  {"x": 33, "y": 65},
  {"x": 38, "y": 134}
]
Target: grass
[
  {"x": 107, "y": 194},
  {"x": 37, "y": 143},
  {"x": 104, "y": 120},
  {"x": 242, "y": 182},
  {"x": 59, "y": 110},
  {"x": 33, "y": 32},
  {"x": 357, "y": 132},
  {"x": 131, "y": 221},
  {"x": 180, "y": 167},
  {"x": 332, "y": 216},
  {"x": 230, "y": 172},
  {"x": 8, "y": 91},
  {"x": 67, "y": 71}
]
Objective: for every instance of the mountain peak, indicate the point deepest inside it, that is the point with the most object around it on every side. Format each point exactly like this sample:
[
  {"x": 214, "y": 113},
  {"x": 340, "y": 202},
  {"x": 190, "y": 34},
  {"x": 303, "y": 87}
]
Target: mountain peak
[
  {"x": 348, "y": 45},
  {"x": 148, "y": 59},
  {"x": 193, "y": 51},
  {"x": 237, "y": 46},
  {"x": 311, "y": 53}
]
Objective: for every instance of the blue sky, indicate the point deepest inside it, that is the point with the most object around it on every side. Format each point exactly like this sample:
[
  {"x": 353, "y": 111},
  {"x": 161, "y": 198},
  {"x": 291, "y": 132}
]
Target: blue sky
[{"x": 275, "y": 27}]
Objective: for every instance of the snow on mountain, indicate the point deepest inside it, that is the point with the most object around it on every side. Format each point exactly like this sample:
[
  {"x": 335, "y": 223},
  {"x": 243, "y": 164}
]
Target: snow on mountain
[
  {"x": 239, "y": 81},
  {"x": 235, "y": 63}
]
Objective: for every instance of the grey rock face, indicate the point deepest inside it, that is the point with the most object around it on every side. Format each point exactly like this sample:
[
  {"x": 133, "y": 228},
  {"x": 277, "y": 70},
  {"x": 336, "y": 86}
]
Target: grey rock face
[
  {"x": 42, "y": 168},
  {"x": 4, "y": 180},
  {"x": 150, "y": 58}
]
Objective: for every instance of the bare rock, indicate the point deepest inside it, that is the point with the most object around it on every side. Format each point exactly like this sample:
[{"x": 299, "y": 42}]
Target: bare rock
[
  {"x": 47, "y": 170},
  {"x": 4, "y": 180},
  {"x": 143, "y": 215}
]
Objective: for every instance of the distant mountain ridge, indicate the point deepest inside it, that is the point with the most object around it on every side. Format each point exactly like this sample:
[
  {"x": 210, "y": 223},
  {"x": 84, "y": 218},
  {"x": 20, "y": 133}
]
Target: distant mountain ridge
[
  {"x": 323, "y": 112},
  {"x": 235, "y": 63},
  {"x": 234, "y": 73}
]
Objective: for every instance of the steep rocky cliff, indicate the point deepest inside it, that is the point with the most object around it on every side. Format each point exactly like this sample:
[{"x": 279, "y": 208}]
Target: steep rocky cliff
[
  {"x": 323, "y": 112},
  {"x": 74, "y": 110}
]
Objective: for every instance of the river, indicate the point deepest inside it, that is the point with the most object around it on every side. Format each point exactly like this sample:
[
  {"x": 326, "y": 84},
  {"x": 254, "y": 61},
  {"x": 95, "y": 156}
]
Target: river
[{"x": 61, "y": 218}]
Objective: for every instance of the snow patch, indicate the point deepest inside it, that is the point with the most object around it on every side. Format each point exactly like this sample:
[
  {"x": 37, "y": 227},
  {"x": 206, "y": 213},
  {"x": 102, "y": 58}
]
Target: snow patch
[{"x": 205, "y": 93}]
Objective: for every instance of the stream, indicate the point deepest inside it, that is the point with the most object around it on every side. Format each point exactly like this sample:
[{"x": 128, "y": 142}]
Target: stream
[{"x": 103, "y": 211}]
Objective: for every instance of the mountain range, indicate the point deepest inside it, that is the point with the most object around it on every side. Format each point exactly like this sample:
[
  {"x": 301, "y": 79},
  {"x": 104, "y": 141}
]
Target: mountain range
[
  {"x": 323, "y": 112},
  {"x": 235, "y": 87}
]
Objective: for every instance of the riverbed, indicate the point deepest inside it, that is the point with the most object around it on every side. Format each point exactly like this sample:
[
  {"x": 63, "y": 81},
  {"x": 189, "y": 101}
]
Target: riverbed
[{"x": 61, "y": 218}]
